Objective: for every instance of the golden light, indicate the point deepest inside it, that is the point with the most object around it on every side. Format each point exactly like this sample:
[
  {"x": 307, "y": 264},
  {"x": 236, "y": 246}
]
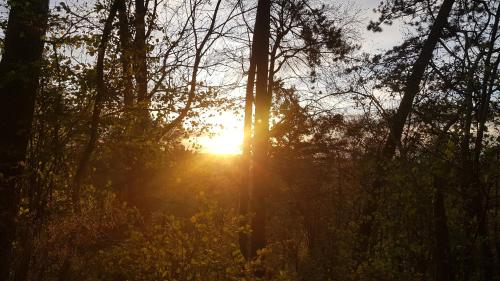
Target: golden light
[
  {"x": 226, "y": 136},
  {"x": 226, "y": 142}
]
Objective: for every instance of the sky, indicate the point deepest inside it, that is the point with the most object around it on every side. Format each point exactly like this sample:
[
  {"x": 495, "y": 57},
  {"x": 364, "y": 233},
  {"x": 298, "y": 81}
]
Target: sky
[
  {"x": 227, "y": 140},
  {"x": 372, "y": 41}
]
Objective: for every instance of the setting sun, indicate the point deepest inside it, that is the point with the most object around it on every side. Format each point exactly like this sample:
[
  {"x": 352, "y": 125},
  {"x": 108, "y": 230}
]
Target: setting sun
[
  {"x": 226, "y": 135},
  {"x": 226, "y": 142},
  {"x": 249, "y": 140}
]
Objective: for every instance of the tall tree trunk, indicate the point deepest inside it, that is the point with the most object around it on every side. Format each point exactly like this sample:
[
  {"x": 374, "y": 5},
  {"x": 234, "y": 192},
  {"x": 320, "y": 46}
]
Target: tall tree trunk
[
  {"x": 100, "y": 97},
  {"x": 19, "y": 83},
  {"x": 126, "y": 59},
  {"x": 126, "y": 53},
  {"x": 466, "y": 167},
  {"x": 246, "y": 183},
  {"x": 479, "y": 201},
  {"x": 140, "y": 119},
  {"x": 412, "y": 85},
  {"x": 140, "y": 60},
  {"x": 411, "y": 88},
  {"x": 442, "y": 254},
  {"x": 261, "y": 138},
  {"x": 247, "y": 167}
]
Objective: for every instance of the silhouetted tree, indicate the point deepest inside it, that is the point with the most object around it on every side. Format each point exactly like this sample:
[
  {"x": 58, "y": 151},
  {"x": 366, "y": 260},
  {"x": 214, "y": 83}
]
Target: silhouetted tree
[{"x": 19, "y": 81}]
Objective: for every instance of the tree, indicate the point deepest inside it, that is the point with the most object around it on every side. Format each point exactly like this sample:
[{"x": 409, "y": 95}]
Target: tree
[
  {"x": 412, "y": 84},
  {"x": 319, "y": 37},
  {"x": 19, "y": 74},
  {"x": 410, "y": 89},
  {"x": 261, "y": 134},
  {"x": 126, "y": 55},
  {"x": 100, "y": 98}
]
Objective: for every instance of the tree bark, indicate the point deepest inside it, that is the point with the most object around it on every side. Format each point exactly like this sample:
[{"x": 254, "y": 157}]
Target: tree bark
[
  {"x": 19, "y": 83},
  {"x": 411, "y": 88},
  {"x": 442, "y": 255},
  {"x": 246, "y": 183},
  {"x": 478, "y": 192},
  {"x": 261, "y": 138},
  {"x": 412, "y": 85},
  {"x": 125, "y": 57},
  {"x": 101, "y": 94},
  {"x": 466, "y": 166},
  {"x": 140, "y": 54}
]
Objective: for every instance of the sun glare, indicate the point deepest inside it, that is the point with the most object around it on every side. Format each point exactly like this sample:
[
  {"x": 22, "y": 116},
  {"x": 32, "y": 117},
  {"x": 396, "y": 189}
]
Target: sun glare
[
  {"x": 226, "y": 136},
  {"x": 226, "y": 142}
]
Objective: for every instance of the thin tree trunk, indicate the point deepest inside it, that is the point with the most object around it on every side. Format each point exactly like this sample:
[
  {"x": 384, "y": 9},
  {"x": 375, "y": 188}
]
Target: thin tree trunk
[
  {"x": 261, "y": 139},
  {"x": 101, "y": 94},
  {"x": 126, "y": 52},
  {"x": 466, "y": 166},
  {"x": 246, "y": 183},
  {"x": 411, "y": 88},
  {"x": 479, "y": 193},
  {"x": 141, "y": 119},
  {"x": 19, "y": 82},
  {"x": 412, "y": 85},
  {"x": 140, "y": 56},
  {"x": 442, "y": 255}
]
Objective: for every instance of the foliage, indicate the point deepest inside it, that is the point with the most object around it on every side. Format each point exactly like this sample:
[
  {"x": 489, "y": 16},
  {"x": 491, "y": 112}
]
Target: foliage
[{"x": 147, "y": 208}]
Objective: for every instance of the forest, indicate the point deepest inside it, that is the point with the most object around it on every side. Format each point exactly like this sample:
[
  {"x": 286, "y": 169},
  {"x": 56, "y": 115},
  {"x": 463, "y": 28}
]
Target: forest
[{"x": 246, "y": 140}]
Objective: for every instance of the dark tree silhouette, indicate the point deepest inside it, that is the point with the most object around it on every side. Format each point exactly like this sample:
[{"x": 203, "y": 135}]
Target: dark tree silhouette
[
  {"x": 261, "y": 136},
  {"x": 19, "y": 82},
  {"x": 410, "y": 90},
  {"x": 100, "y": 98}
]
